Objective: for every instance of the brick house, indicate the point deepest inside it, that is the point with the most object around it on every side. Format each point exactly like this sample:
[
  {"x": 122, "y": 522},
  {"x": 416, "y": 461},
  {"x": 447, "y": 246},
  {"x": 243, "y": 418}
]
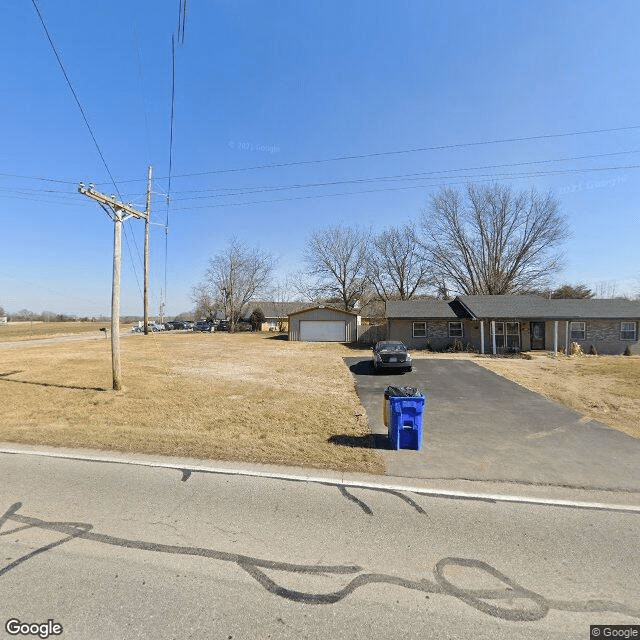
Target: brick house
[{"x": 491, "y": 324}]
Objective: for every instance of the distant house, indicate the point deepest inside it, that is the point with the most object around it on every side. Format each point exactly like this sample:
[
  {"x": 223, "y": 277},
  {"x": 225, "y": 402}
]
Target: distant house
[
  {"x": 492, "y": 324},
  {"x": 276, "y": 313}
]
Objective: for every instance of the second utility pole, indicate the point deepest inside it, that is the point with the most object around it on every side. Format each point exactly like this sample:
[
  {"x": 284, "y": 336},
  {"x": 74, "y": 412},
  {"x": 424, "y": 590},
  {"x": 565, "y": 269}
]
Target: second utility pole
[{"x": 146, "y": 256}]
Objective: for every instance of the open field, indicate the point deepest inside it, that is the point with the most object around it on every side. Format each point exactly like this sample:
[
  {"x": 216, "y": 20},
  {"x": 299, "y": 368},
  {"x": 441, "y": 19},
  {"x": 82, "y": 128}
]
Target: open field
[
  {"x": 14, "y": 331},
  {"x": 243, "y": 397},
  {"x": 606, "y": 388}
]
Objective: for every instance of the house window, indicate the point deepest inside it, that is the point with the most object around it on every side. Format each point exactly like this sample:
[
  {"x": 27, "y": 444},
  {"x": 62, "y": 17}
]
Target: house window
[
  {"x": 507, "y": 335},
  {"x": 512, "y": 336},
  {"x": 627, "y": 331},
  {"x": 578, "y": 330},
  {"x": 419, "y": 329},
  {"x": 455, "y": 330}
]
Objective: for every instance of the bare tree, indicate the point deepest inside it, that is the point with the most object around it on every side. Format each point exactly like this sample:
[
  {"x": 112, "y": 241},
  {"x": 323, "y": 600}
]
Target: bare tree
[
  {"x": 609, "y": 289},
  {"x": 336, "y": 259},
  {"x": 237, "y": 275},
  {"x": 397, "y": 268},
  {"x": 581, "y": 291},
  {"x": 301, "y": 285},
  {"x": 492, "y": 240},
  {"x": 203, "y": 296}
]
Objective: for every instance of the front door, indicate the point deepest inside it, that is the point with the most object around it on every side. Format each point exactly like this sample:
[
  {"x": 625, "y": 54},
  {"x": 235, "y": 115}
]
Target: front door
[{"x": 537, "y": 336}]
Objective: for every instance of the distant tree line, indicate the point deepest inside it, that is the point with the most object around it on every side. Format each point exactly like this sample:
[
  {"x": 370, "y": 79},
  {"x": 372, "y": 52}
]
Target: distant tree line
[{"x": 25, "y": 315}]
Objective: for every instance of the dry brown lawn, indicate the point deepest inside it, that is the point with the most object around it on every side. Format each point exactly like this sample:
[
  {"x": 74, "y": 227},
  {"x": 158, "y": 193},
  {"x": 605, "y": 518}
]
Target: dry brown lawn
[
  {"x": 606, "y": 388},
  {"x": 243, "y": 397}
]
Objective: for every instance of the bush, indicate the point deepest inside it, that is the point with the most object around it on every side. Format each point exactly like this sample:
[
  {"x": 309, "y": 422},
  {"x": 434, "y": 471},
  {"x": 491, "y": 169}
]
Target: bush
[
  {"x": 593, "y": 351},
  {"x": 256, "y": 319},
  {"x": 627, "y": 351},
  {"x": 576, "y": 349}
]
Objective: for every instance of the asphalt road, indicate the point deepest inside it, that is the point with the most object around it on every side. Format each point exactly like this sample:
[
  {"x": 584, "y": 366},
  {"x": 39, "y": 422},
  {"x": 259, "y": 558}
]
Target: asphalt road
[
  {"x": 480, "y": 426},
  {"x": 121, "y": 551}
]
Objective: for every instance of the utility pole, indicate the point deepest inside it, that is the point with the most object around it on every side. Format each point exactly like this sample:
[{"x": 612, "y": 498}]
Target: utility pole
[
  {"x": 119, "y": 213},
  {"x": 146, "y": 255}
]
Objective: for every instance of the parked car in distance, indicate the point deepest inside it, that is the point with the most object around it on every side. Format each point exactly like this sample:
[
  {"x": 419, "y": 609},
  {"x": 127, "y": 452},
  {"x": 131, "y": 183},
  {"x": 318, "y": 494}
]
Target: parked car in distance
[
  {"x": 391, "y": 355},
  {"x": 223, "y": 325},
  {"x": 244, "y": 326},
  {"x": 156, "y": 326},
  {"x": 203, "y": 326},
  {"x": 176, "y": 325}
]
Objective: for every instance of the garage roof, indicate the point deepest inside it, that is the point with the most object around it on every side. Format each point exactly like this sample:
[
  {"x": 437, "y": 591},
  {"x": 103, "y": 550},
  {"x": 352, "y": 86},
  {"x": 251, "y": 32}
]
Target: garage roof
[{"x": 323, "y": 306}]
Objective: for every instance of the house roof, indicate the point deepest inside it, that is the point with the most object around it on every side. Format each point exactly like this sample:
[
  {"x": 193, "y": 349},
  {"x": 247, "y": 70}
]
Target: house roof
[
  {"x": 595, "y": 309},
  {"x": 525, "y": 307},
  {"x": 505, "y": 306}
]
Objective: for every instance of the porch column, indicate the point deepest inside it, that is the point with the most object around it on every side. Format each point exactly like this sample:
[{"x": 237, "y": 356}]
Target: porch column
[
  {"x": 482, "y": 337},
  {"x": 566, "y": 339},
  {"x": 555, "y": 338},
  {"x": 493, "y": 336}
]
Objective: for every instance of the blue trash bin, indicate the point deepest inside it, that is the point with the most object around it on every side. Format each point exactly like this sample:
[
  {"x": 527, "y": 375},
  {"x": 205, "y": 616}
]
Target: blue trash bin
[{"x": 405, "y": 412}]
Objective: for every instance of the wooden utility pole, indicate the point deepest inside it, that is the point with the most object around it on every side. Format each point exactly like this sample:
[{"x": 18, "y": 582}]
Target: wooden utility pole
[
  {"x": 120, "y": 213},
  {"x": 146, "y": 255}
]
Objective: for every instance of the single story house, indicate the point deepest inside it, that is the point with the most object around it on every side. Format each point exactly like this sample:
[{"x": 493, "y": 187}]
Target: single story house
[
  {"x": 323, "y": 323},
  {"x": 491, "y": 324},
  {"x": 276, "y": 313}
]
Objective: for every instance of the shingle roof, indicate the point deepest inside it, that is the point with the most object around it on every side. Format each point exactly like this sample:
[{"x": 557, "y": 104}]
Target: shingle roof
[
  {"x": 506, "y": 306},
  {"x": 549, "y": 309},
  {"x": 525, "y": 307},
  {"x": 602, "y": 309}
]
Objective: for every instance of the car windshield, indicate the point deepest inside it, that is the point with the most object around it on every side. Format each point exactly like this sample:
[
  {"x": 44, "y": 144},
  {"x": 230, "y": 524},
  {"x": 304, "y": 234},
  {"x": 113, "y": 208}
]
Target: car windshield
[{"x": 395, "y": 346}]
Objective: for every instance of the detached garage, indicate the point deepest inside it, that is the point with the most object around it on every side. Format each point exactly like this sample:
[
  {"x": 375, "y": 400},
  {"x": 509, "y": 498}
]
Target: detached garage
[{"x": 323, "y": 324}]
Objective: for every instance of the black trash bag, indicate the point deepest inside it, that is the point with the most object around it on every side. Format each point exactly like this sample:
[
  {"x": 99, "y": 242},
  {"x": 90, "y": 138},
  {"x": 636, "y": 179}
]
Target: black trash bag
[{"x": 402, "y": 392}]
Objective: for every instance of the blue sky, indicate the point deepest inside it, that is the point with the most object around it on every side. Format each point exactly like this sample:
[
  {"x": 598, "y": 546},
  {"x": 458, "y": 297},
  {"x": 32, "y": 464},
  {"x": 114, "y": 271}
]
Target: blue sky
[{"x": 301, "y": 84}]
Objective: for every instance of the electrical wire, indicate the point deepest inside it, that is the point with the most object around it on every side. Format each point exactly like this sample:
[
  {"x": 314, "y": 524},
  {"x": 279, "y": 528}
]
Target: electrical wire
[
  {"x": 475, "y": 178},
  {"x": 407, "y": 176},
  {"x": 75, "y": 95},
  {"x": 395, "y": 152}
]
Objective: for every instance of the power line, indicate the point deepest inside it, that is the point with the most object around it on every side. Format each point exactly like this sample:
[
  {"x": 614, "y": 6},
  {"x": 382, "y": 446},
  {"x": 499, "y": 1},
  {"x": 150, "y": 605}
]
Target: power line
[
  {"x": 477, "y": 178},
  {"x": 84, "y": 116},
  {"x": 406, "y": 176},
  {"x": 411, "y": 150}
]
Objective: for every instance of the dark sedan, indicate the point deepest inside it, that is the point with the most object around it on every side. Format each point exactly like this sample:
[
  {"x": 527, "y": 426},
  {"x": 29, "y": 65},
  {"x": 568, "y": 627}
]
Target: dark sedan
[{"x": 391, "y": 355}]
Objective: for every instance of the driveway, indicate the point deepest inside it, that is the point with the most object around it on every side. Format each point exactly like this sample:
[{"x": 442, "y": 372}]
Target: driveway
[{"x": 480, "y": 426}]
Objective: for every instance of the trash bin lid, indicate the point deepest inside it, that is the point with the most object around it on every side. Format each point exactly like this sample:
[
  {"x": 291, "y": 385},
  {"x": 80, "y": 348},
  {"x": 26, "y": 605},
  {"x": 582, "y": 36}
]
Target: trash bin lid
[{"x": 402, "y": 392}]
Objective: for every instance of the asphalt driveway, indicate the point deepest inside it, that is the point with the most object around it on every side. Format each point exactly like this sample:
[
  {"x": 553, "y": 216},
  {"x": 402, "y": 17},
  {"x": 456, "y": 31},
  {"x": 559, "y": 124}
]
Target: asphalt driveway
[{"x": 480, "y": 426}]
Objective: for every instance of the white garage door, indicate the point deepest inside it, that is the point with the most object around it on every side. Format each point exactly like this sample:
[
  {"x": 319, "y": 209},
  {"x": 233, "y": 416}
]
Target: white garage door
[{"x": 322, "y": 330}]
